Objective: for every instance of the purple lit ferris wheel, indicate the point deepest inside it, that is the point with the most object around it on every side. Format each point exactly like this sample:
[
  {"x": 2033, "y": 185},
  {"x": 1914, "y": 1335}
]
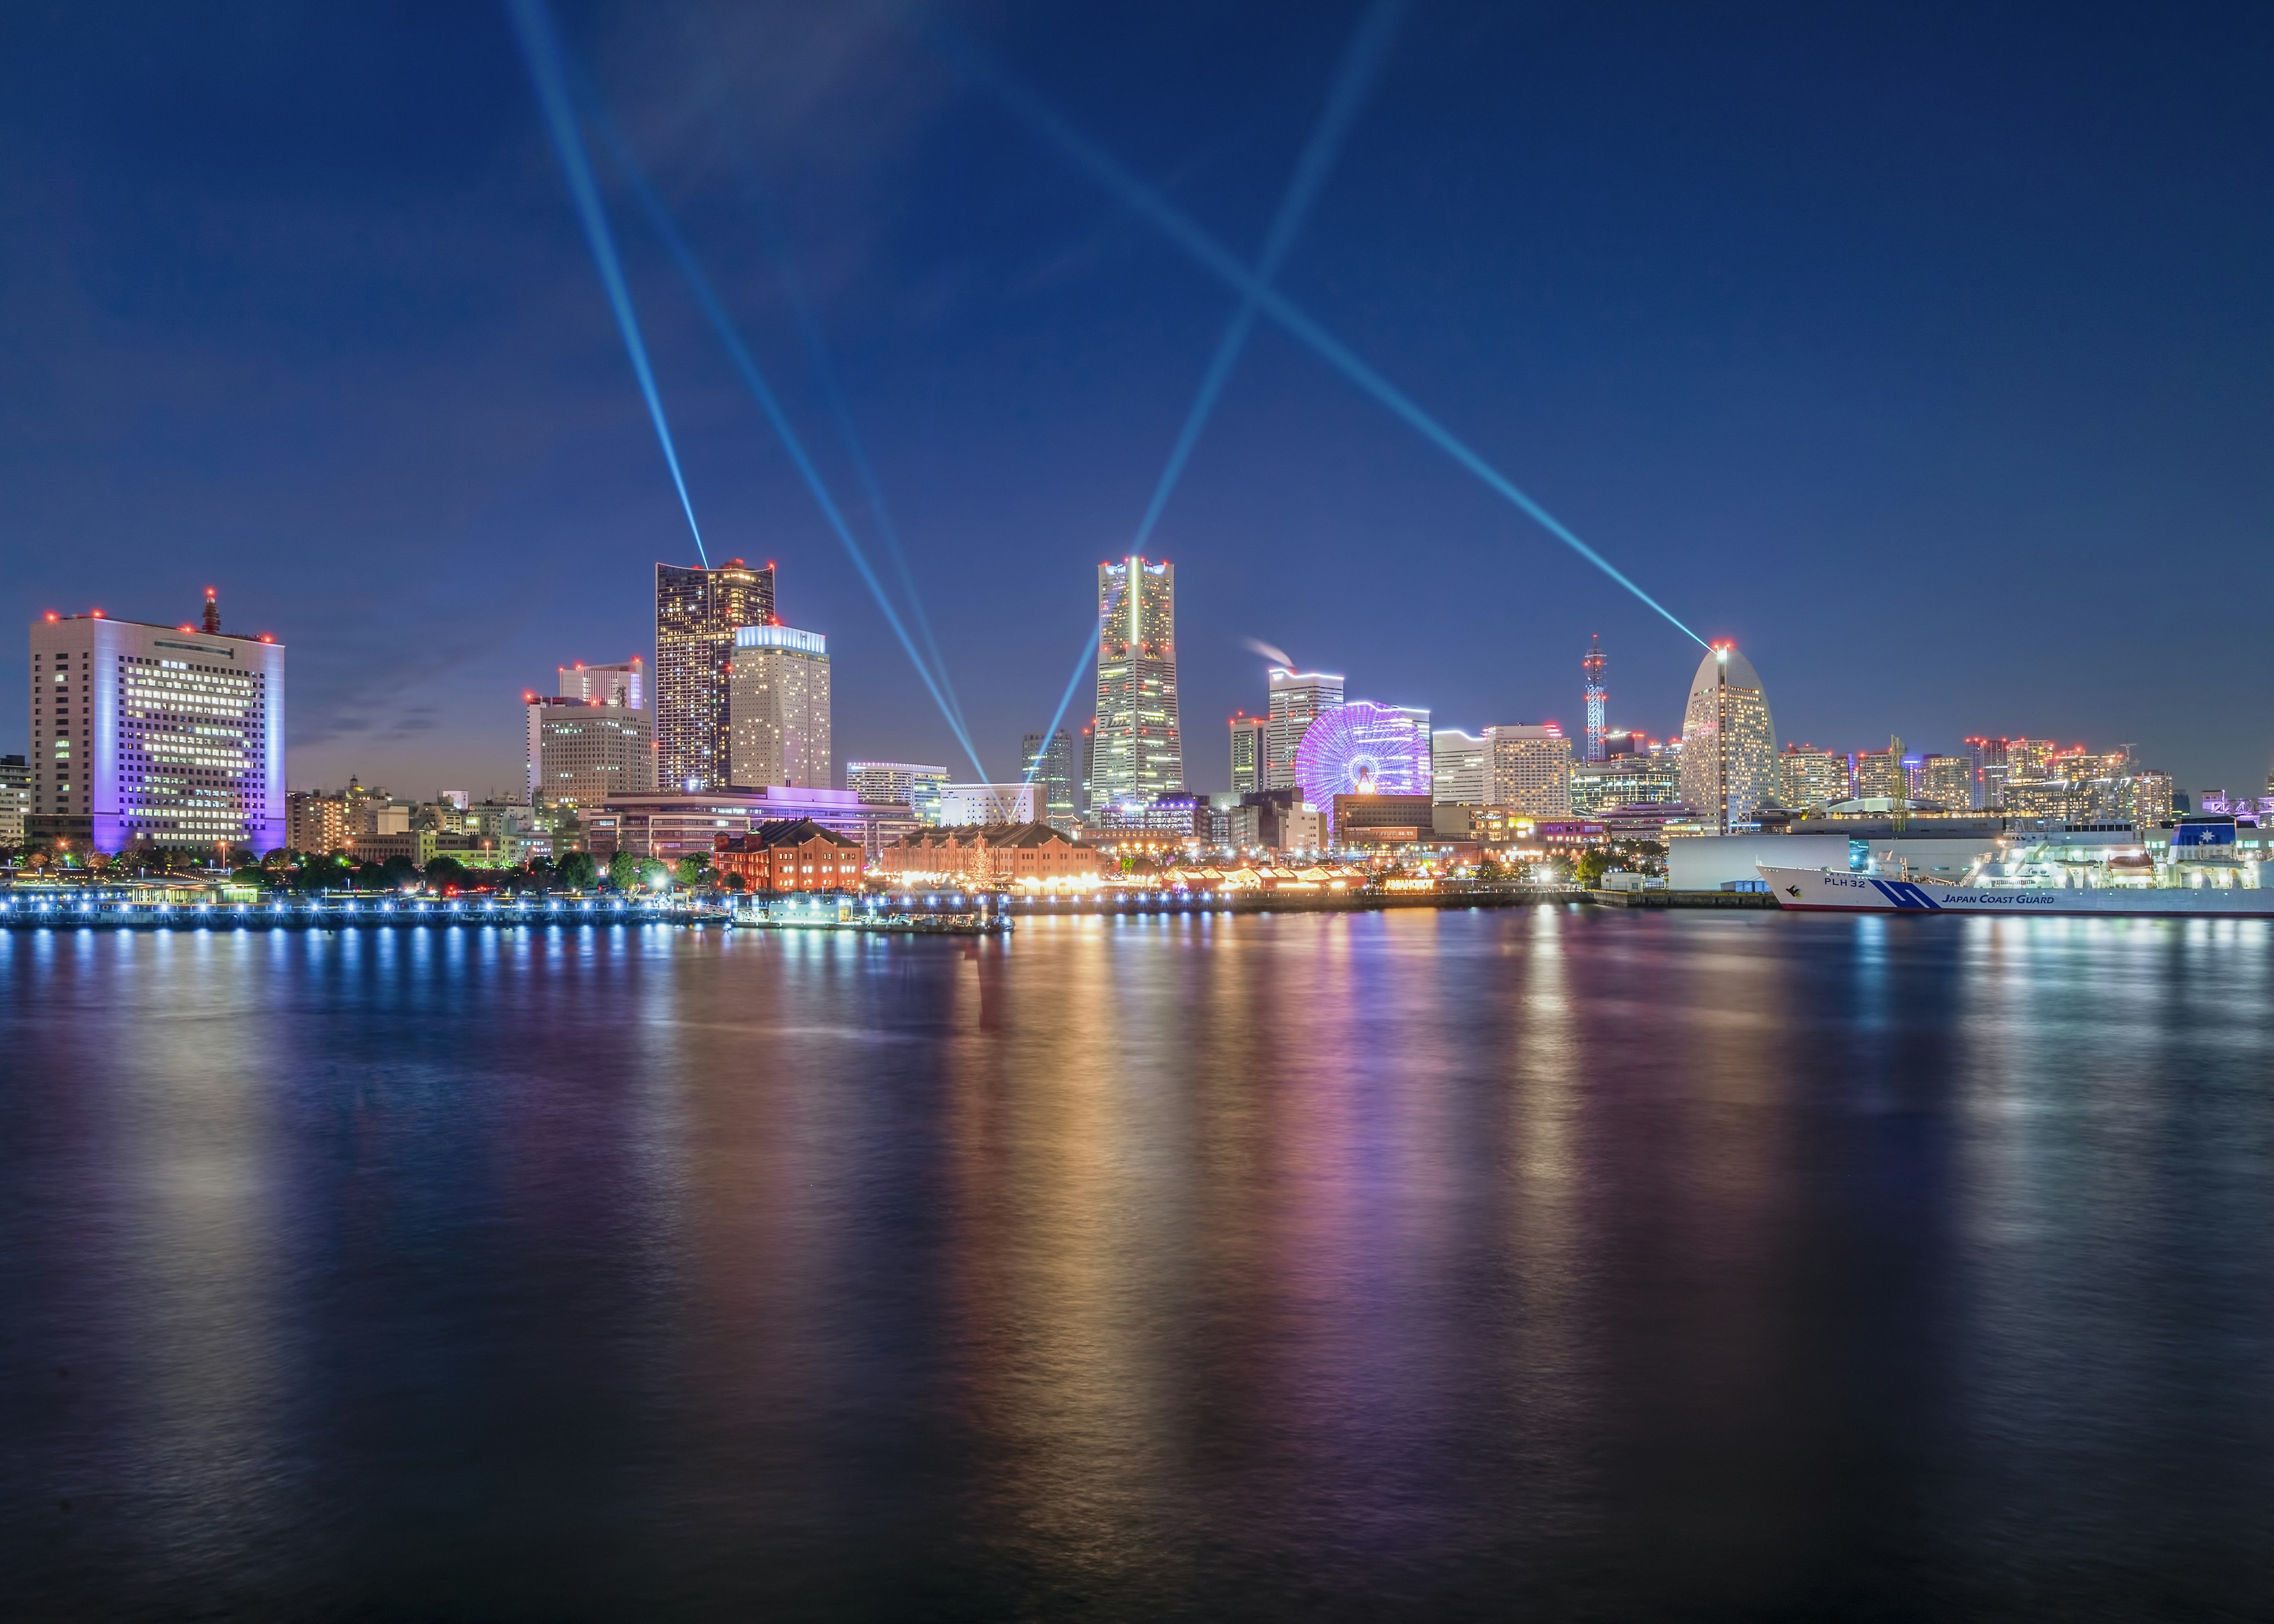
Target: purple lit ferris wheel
[{"x": 1362, "y": 749}]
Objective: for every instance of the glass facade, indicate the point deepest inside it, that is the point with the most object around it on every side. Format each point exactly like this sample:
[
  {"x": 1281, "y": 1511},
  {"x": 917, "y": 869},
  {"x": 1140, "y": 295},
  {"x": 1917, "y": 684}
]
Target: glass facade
[{"x": 697, "y": 612}]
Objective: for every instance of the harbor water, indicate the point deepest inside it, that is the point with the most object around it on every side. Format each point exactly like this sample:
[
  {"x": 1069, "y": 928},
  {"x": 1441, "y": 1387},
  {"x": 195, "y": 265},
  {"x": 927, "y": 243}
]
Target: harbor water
[{"x": 1557, "y": 1262}]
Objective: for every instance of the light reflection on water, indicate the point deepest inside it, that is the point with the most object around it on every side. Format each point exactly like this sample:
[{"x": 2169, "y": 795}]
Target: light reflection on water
[{"x": 1580, "y": 1262}]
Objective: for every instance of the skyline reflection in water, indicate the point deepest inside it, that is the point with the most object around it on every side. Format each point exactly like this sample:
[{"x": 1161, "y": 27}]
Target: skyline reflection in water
[{"x": 1584, "y": 1261}]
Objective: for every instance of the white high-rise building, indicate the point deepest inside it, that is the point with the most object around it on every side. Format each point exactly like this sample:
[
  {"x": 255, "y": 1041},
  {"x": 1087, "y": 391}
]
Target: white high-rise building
[
  {"x": 777, "y": 709},
  {"x": 623, "y": 683},
  {"x": 1531, "y": 769},
  {"x": 1728, "y": 742},
  {"x": 1296, "y": 698},
  {"x": 156, "y": 736},
  {"x": 1460, "y": 767}
]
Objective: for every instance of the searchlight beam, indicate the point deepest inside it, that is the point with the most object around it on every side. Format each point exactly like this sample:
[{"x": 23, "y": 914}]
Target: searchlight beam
[
  {"x": 540, "y": 48},
  {"x": 1361, "y": 62},
  {"x": 1086, "y": 156},
  {"x": 739, "y": 353}
]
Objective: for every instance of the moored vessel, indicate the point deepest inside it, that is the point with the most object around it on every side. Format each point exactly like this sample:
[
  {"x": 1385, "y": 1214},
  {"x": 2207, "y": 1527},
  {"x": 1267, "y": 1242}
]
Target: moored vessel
[{"x": 2198, "y": 872}]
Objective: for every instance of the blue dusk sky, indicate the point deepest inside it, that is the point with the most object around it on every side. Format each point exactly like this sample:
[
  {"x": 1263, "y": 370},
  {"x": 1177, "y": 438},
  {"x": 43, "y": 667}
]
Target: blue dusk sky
[{"x": 1925, "y": 350}]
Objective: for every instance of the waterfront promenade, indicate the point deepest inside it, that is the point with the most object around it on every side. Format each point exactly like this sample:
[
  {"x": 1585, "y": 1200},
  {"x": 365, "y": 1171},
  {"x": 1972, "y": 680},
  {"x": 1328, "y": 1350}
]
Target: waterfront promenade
[{"x": 95, "y": 908}]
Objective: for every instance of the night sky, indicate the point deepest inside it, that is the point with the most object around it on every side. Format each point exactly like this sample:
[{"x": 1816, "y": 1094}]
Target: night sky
[{"x": 1927, "y": 352}]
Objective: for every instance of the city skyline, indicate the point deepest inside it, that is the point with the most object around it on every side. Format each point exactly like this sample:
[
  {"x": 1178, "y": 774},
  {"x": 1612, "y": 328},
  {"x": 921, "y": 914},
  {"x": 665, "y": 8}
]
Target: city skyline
[{"x": 527, "y": 441}]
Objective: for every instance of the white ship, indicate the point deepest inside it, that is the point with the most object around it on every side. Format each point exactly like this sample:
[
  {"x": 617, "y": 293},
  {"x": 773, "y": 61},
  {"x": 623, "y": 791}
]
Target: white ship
[{"x": 2197, "y": 874}]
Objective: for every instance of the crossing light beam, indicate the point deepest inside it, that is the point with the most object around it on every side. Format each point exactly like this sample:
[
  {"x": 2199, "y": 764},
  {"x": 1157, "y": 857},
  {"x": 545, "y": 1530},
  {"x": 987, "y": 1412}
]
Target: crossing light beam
[
  {"x": 1088, "y": 157},
  {"x": 739, "y": 353}
]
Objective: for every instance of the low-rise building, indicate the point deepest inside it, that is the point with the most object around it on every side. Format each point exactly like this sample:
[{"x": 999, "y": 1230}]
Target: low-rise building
[
  {"x": 417, "y": 845},
  {"x": 1001, "y": 855},
  {"x": 790, "y": 854},
  {"x": 1383, "y": 820},
  {"x": 668, "y": 827}
]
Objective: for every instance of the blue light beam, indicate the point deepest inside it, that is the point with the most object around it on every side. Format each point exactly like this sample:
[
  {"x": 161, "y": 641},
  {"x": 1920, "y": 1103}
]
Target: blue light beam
[
  {"x": 1361, "y": 63},
  {"x": 739, "y": 353},
  {"x": 840, "y": 411},
  {"x": 1086, "y": 156},
  {"x": 540, "y": 47}
]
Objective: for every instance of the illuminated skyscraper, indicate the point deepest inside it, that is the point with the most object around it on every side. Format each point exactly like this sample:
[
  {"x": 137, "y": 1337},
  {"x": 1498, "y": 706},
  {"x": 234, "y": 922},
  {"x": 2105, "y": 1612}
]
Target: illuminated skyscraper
[
  {"x": 1729, "y": 741},
  {"x": 777, "y": 709},
  {"x": 697, "y": 612},
  {"x": 1251, "y": 747},
  {"x": 1597, "y": 697},
  {"x": 156, "y": 736},
  {"x": 1296, "y": 697},
  {"x": 1140, "y": 749}
]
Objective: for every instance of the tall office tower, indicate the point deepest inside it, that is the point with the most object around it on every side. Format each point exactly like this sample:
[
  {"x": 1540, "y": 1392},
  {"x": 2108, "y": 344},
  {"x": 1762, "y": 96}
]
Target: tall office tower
[
  {"x": 623, "y": 683},
  {"x": 156, "y": 734},
  {"x": 1460, "y": 767},
  {"x": 1530, "y": 769},
  {"x": 15, "y": 798},
  {"x": 1597, "y": 697},
  {"x": 884, "y": 784},
  {"x": 582, "y": 751},
  {"x": 1296, "y": 698},
  {"x": 1050, "y": 767},
  {"x": 697, "y": 612},
  {"x": 777, "y": 709},
  {"x": 1141, "y": 751},
  {"x": 1729, "y": 741},
  {"x": 1083, "y": 799},
  {"x": 1251, "y": 748}
]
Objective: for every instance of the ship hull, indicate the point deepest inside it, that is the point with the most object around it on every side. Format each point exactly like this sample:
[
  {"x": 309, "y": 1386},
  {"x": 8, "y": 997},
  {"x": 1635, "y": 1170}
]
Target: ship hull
[{"x": 1819, "y": 890}]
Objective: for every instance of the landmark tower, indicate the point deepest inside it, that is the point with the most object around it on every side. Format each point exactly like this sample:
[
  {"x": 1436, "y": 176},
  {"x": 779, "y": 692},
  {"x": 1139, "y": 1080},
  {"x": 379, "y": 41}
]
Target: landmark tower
[{"x": 1140, "y": 749}]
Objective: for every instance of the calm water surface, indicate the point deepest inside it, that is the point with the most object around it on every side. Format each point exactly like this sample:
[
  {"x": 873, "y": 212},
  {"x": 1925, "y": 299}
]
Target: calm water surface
[{"x": 1561, "y": 1263}]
